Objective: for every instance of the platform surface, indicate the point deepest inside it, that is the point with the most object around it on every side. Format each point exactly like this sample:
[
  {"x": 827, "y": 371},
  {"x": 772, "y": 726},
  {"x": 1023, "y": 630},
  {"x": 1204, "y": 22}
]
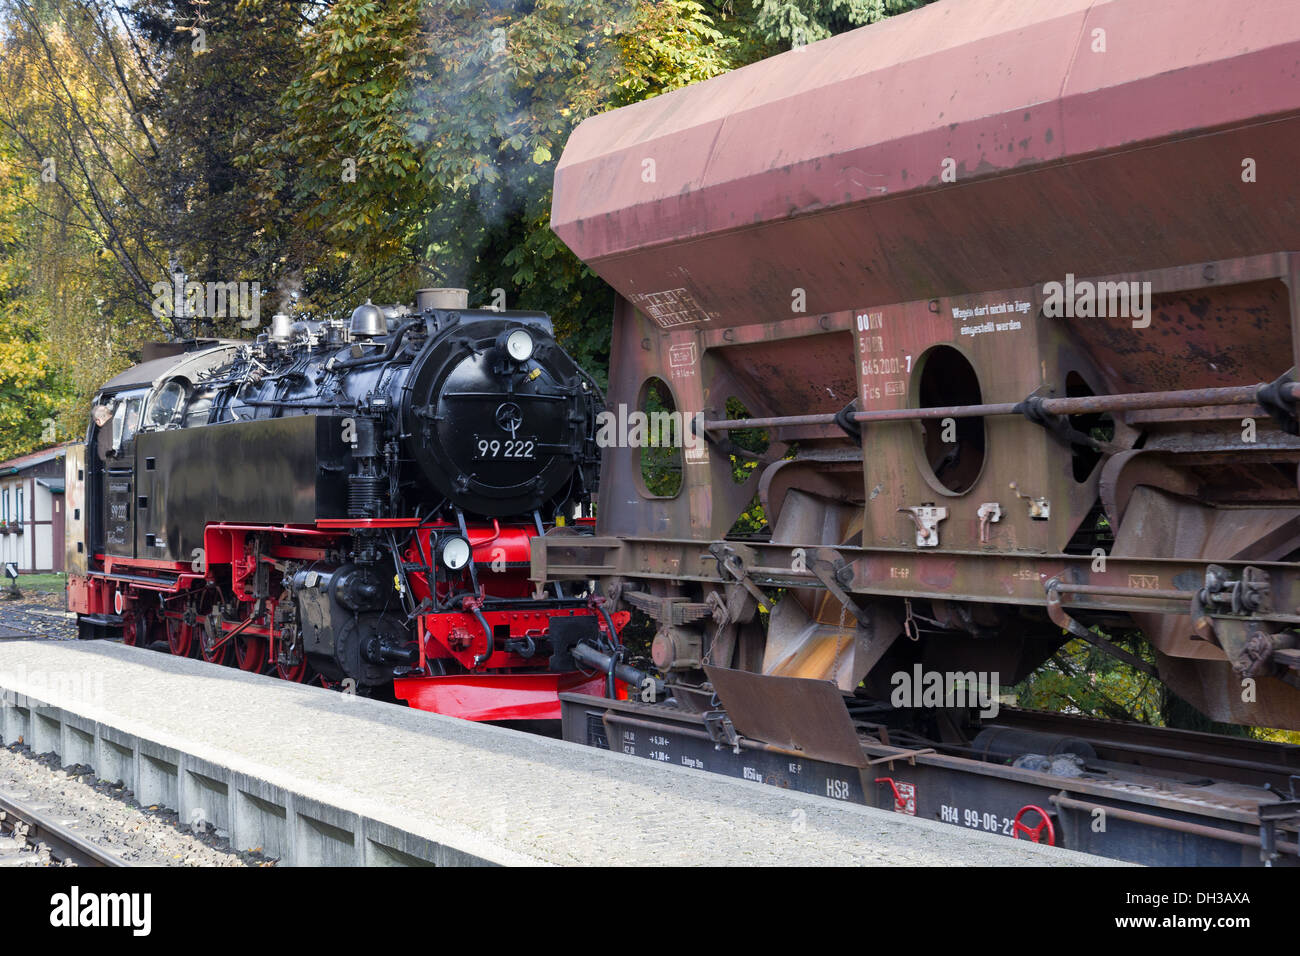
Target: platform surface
[{"x": 499, "y": 795}]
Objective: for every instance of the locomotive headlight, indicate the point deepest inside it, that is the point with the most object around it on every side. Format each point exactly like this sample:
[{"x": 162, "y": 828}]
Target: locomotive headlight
[
  {"x": 519, "y": 345},
  {"x": 454, "y": 552}
]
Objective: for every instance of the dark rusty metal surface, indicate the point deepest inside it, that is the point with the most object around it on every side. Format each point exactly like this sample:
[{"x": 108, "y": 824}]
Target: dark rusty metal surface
[
  {"x": 795, "y": 713},
  {"x": 1218, "y": 337}
]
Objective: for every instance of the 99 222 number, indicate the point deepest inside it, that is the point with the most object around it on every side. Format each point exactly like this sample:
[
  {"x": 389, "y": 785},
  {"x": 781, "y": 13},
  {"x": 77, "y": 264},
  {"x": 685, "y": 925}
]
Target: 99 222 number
[{"x": 515, "y": 448}]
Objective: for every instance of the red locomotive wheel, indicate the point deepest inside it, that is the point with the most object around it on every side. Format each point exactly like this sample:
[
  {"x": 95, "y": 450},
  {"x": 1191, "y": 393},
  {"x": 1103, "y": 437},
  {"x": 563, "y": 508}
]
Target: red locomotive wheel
[
  {"x": 180, "y": 638},
  {"x": 221, "y": 654},
  {"x": 250, "y": 653},
  {"x": 297, "y": 673},
  {"x": 130, "y": 629}
]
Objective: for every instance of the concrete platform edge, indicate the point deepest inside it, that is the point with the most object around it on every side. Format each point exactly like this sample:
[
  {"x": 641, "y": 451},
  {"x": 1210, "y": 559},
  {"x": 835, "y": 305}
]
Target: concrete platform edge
[{"x": 288, "y": 825}]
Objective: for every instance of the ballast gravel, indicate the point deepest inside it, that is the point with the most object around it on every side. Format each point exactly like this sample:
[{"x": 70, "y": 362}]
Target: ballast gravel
[{"x": 107, "y": 815}]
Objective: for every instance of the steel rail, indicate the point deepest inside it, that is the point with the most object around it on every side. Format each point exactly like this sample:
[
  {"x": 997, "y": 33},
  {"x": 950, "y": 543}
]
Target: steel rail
[{"x": 63, "y": 843}]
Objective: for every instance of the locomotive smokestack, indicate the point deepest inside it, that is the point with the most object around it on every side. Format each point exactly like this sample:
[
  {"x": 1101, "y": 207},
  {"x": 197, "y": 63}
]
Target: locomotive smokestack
[
  {"x": 441, "y": 299},
  {"x": 281, "y": 329}
]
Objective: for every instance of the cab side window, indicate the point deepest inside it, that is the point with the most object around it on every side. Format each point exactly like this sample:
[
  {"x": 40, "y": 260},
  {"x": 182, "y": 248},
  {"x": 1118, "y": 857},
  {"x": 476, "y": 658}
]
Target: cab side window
[
  {"x": 166, "y": 404},
  {"x": 126, "y": 422}
]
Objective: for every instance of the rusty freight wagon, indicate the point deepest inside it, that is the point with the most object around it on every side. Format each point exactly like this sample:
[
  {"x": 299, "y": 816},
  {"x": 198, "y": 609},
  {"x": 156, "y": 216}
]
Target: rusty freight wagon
[{"x": 1013, "y": 288}]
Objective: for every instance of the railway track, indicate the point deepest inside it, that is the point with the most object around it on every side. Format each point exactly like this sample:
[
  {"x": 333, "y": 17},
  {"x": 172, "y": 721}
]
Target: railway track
[{"x": 24, "y": 828}]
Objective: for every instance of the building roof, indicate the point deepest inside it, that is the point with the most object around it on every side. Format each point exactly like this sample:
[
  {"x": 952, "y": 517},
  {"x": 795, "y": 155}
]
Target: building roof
[{"x": 29, "y": 460}]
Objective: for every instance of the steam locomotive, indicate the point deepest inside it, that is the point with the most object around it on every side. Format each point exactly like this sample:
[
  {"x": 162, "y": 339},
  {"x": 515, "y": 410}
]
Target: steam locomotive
[{"x": 352, "y": 503}]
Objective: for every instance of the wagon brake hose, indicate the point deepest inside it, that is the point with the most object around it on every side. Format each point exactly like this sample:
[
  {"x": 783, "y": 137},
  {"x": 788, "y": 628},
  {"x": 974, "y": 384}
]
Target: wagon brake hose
[
  {"x": 475, "y": 604},
  {"x": 599, "y": 604},
  {"x": 449, "y": 602},
  {"x": 615, "y": 648},
  {"x": 635, "y": 676},
  {"x": 1281, "y": 407},
  {"x": 430, "y": 573},
  {"x": 408, "y": 599},
  {"x": 844, "y": 419}
]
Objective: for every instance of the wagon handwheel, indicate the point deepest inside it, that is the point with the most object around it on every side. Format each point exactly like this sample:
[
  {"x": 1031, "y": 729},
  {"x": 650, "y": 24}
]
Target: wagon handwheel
[{"x": 1034, "y": 833}]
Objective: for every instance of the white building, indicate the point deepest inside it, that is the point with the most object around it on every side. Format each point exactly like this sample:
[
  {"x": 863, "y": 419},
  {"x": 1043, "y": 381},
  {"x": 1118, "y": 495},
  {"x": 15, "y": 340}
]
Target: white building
[{"x": 31, "y": 510}]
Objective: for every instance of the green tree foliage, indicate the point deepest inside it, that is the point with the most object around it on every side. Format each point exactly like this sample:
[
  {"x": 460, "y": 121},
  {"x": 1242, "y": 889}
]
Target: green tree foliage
[
  {"x": 426, "y": 137},
  {"x": 329, "y": 151},
  {"x": 799, "y": 22},
  {"x": 33, "y": 392},
  {"x": 210, "y": 86},
  {"x": 1080, "y": 678},
  {"x": 51, "y": 265}
]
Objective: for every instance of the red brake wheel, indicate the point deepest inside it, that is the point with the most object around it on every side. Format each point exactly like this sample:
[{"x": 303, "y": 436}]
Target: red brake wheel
[
  {"x": 250, "y": 652},
  {"x": 1034, "y": 833},
  {"x": 180, "y": 637}
]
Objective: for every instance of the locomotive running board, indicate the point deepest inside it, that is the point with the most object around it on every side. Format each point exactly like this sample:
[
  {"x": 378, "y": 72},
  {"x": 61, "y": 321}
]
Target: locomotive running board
[{"x": 805, "y": 716}]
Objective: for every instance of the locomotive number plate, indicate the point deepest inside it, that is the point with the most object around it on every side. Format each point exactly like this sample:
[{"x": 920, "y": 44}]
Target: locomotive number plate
[{"x": 491, "y": 449}]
